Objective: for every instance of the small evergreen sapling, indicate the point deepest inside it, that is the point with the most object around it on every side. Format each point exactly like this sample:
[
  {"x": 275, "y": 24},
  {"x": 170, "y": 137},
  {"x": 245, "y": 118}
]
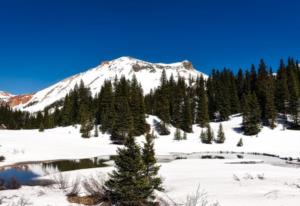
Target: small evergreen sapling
[
  {"x": 203, "y": 136},
  {"x": 221, "y": 136},
  {"x": 151, "y": 168},
  {"x": 210, "y": 134},
  {"x": 127, "y": 184},
  {"x": 177, "y": 135},
  {"x": 240, "y": 143},
  {"x": 184, "y": 136}
]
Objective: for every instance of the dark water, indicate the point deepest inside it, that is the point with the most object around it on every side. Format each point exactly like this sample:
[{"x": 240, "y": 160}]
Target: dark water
[
  {"x": 69, "y": 165},
  {"x": 12, "y": 177}
]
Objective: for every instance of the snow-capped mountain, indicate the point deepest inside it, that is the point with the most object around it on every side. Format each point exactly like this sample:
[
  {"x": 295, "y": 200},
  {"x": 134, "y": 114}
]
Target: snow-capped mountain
[
  {"x": 148, "y": 74},
  {"x": 5, "y": 96}
]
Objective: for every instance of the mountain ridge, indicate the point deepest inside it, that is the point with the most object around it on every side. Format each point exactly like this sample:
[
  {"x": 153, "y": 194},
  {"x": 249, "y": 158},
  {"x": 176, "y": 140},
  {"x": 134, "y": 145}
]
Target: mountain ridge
[{"x": 148, "y": 75}]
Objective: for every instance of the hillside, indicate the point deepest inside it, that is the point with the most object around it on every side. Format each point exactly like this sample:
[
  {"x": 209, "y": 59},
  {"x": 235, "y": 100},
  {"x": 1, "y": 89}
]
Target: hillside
[{"x": 148, "y": 75}]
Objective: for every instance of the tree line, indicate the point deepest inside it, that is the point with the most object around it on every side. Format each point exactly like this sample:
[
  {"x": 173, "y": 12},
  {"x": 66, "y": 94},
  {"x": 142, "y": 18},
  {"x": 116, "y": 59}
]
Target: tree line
[{"x": 120, "y": 107}]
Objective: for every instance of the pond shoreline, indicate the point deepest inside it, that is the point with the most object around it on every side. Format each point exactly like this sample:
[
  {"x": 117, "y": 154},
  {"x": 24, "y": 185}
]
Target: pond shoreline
[{"x": 163, "y": 158}]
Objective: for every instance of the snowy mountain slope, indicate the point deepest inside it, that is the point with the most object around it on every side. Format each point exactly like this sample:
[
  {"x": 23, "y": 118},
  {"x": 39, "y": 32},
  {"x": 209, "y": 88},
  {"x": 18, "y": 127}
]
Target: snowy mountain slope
[
  {"x": 5, "y": 96},
  {"x": 148, "y": 74}
]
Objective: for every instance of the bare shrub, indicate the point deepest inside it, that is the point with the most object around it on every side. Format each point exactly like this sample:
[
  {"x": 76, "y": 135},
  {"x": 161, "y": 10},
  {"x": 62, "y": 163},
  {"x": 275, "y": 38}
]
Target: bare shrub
[
  {"x": 94, "y": 186},
  {"x": 41, "y": 193},
  {"x": 248, "y": 176},
  {"x": 21, "y": 202},
  {"x": 61, "y": 180},
  {"x": 236, "y": 178},
  {"x": 261, "y": 176},
  {"x": 197, "y": 199},
  {"x": 74, "y": 188}
]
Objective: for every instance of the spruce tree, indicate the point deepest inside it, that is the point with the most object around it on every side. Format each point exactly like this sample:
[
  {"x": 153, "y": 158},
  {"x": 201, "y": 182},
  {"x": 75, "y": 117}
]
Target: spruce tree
[
  {"x": 96, "y": 133},
  {"x": 162, "y": 106},
  {"x": 210, "y": 134},
  {"x": 251, "y": 115},
  {"x": 127, "y": 184},
  {"x": 187, "y": 115},
  {"x": 137, "y": 106},
  {"x": 184, "y": 136},
  {"x": 151, "y": 167},
  {"x": 265, "y": 95},
  {"x": 294, "y": 90},
  {"x": 85, "y": 121},
  {"x": 123, "y": 124},
  {"x": 177, "y": 134},
  {"x": 221, "y": 136},
  {"x": 282, "y": 90},
  {"x": 41, "y": 127},
  {"x": 106, "y": 108},
  {"x": 163, "y": 129},
  {"x": 203, "y": 136},
  {"x": 240, "y": 143},
  {"x": 202, "y": 117}
]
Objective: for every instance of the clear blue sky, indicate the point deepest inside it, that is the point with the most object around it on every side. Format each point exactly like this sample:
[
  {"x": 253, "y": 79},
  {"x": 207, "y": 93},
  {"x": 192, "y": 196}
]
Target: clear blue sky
[{"x": 43, "y": 41}]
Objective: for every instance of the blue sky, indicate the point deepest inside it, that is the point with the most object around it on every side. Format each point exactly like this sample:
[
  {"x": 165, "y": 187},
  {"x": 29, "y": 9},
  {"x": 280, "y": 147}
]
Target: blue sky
[{"x": 42, "y": 42}]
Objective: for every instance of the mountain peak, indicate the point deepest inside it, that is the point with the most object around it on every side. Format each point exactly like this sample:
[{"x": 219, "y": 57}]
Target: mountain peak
[{"x": 148, "y": 75}]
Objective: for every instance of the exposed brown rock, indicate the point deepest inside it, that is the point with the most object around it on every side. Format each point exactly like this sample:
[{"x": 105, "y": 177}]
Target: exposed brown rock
[
  {"x": 19, "y": 99},
  {"x": 188, "y": 65},
  {"x": 104, "y": 63}
]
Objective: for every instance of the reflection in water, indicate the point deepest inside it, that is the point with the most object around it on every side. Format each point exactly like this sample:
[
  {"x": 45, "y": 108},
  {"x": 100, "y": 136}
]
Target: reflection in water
[
  {"x": 13, "y": 177},
  {"x": 68, "y": 165}
]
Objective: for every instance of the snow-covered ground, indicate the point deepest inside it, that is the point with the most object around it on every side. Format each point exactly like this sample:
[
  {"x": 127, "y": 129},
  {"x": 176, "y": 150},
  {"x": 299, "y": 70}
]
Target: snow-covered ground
[
  {"x": 280, "y": 186},
  {"x": 181, "y": 177},
  {"x": 66, "y": 143}
]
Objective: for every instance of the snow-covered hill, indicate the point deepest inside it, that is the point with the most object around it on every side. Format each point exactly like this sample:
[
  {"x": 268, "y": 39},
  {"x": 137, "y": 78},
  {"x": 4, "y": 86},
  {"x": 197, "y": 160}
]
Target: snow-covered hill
[
  {"x": 148, "y": 74},
  {"x": 5, "y": 96},
  {"x": 253, "y": 180}
]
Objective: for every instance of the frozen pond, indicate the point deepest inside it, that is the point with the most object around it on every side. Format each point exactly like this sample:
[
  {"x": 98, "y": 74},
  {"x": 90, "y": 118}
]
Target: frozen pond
[{"x": 25, "y": 174}]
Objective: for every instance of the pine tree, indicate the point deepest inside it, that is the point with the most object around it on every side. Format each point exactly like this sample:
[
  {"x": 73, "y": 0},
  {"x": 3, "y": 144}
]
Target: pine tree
[
  {"x": 187, "y": 115},
  {"x": 221, "y": 136},
  {"x": 137, "y": 106},
  {"x": 177, "y": 134},
  {"x": 96, "y": 133},
  {"x": 41, "y": 127},
  {"x": 151, "y": 171},
  {"x": 85, "y": 121},
  {"x": 251, "y": 115},
  {"x": 282, "y": 90},
  {"x": 106, "y": 109},
  {"x": 162, "y": 107},
  {"x": 203, "y": 137},
  {"x": 270, "y": 108},
  {"x": 294, "y": 90},
  {"x": 210, "y": 134},
  {"x": 202, "y": 117},
  {"x": 240, "y": 143},
  {"x": 184, "y": 136},
  {"x": 163, "y": 129},
  {"x": 265, "y": 95},
  {"x": 123, "y": 124},
  {"x": 127, "y": 184}
]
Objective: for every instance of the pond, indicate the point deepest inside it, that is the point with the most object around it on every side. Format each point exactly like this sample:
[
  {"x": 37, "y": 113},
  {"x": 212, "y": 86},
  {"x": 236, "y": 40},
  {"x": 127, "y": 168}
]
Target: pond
[{"x": 26, "y": 173}]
